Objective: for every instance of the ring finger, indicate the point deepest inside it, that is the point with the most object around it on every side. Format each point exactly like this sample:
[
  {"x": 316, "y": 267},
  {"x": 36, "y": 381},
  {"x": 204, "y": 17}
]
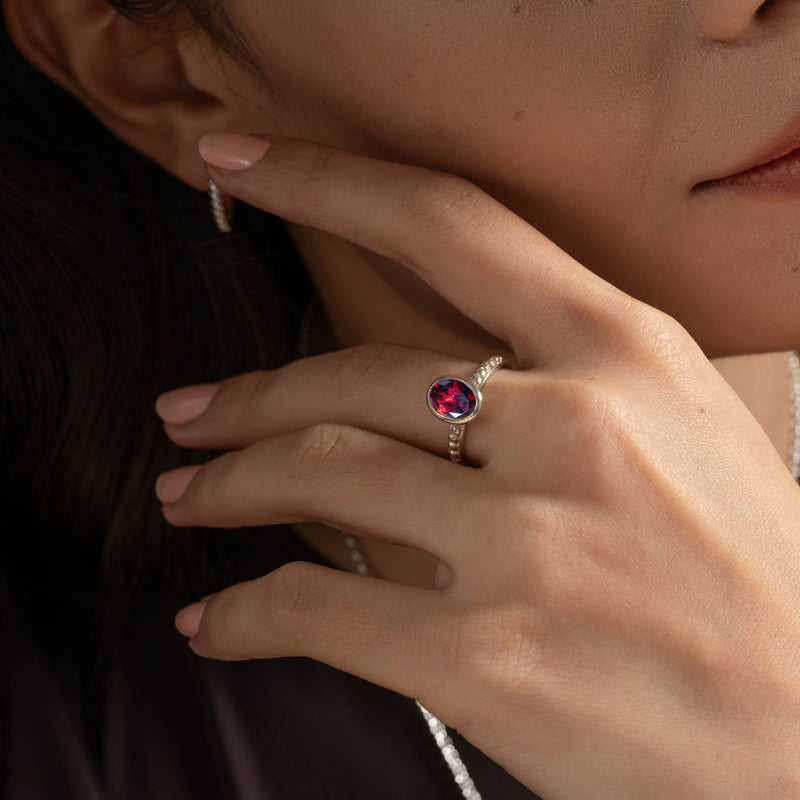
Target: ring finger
[{"x": 376, "y": 387}]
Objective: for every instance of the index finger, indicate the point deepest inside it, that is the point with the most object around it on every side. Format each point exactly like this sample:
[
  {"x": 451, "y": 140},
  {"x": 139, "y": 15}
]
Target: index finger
[{"x": 485, "y": 260}]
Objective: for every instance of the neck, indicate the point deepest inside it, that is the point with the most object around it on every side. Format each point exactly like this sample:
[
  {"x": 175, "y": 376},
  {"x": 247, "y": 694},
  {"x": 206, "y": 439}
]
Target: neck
[{"x": 371, "y": 299}]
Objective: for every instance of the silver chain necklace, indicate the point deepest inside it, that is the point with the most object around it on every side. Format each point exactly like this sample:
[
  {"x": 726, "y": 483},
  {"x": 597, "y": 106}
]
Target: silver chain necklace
[
  {"x": 793, "y": 461},
  {"x": 437, "y": 728}
]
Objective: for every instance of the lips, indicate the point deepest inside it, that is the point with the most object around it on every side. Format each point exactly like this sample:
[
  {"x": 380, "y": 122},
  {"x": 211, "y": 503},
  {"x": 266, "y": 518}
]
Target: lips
[{"x": 774, "y": 166}]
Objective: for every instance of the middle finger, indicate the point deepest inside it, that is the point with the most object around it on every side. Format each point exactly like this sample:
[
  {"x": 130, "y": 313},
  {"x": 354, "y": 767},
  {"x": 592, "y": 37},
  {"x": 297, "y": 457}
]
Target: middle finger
[{"x": 343, "y": 477}]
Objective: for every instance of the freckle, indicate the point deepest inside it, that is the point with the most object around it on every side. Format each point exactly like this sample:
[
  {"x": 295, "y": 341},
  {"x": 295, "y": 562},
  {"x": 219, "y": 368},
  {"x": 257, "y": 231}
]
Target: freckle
[
  {"x": 516, "y": 9},
  {"x": 519, "y": 114}
]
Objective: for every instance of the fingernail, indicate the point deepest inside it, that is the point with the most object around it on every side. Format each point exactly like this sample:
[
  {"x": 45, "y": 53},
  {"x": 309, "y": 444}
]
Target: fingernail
[
  {"x": 232, "y": 151},
  {"x": 187, "y": 620},
  {"x": 171, "y": 485},
  {"x": 185, "y": 404}
]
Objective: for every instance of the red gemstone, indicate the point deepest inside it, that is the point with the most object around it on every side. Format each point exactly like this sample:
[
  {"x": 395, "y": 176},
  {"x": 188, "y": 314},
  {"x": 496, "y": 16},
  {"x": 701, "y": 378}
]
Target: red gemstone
[{"x": 451, "y": 399}]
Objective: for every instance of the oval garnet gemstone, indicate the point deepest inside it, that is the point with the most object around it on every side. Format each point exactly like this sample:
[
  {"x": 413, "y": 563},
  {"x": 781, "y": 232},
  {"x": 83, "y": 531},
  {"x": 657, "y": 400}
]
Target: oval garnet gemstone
[{"x": 451, "y": 399}]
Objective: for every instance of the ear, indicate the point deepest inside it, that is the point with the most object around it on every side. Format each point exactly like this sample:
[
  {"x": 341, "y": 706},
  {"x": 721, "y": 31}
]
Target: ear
[{"x": 158, "y": 92}]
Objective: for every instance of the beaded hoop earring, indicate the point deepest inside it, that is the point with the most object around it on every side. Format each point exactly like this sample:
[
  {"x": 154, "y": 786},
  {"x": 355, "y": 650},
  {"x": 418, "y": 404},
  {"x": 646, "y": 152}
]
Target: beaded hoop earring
[{"x": 221, "y": 207}]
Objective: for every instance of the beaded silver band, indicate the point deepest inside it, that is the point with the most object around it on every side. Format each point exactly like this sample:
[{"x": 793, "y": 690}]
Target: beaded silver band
[
  {"x": 450, "y": 754},
  {"x": 793, "y": 461},
  {"x": 455, "y": 437},
  {"x": 437, "y": 728}
]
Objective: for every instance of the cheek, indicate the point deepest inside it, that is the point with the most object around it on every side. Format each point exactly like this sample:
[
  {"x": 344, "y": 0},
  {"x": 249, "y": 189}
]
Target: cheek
[
  {"x": 727, "y": 270},
  {"x": 443, "y": 82},
  {"x": 547, "y": 127},
  {"x": 568, "y": 112},
  {"x": 738, "y": 267}
]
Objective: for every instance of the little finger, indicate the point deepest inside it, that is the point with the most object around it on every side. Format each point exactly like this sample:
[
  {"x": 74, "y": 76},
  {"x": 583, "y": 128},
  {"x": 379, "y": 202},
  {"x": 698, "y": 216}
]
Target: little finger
[{"x": 383, "y": 632}]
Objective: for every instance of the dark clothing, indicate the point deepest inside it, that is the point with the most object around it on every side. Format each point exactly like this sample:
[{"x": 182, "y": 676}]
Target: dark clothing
[{"x": 162, "y": 722}]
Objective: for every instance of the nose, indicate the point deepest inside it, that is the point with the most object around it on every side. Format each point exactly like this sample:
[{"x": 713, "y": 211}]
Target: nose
[{"x": 732, "y": 20}]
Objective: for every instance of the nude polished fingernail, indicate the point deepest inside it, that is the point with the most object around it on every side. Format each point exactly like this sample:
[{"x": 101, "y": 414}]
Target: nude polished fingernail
[
  {"x": 185, "y": 404},
  {"x": 232, "y": 151},
  {"x": 171, "y": 485},
  {"x": 187, "y": 620}
]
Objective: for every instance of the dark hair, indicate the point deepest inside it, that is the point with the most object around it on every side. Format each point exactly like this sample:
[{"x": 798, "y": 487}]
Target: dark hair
[
  {"x": 175, "y": 15},
  {"x": 114, "y": 287}
]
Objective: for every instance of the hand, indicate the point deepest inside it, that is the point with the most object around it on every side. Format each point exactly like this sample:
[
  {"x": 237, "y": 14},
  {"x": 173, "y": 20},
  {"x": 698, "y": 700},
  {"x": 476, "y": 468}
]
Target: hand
[{"x": 617, "y": 612}]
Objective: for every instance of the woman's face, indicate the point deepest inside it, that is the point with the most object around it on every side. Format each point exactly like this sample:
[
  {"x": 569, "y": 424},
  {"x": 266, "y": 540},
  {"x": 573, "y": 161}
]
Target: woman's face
[{"x": 593, "y": 119}]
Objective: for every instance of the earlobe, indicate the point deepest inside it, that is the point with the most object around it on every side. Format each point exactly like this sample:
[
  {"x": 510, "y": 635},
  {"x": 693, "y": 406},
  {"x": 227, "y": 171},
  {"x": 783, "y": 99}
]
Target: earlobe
[{"x": 154, "y": 92}]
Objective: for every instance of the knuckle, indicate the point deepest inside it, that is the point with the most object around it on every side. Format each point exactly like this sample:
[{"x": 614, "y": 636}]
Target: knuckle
[
  {"x": 444, "y": 202},
  {"x": 365, "y": 364},
  {"x": 318, "y": 166},
  {"x": 587, "y": 409},
  {"x": 292, "y": 600},
  {"x": 320, "y": 163},
  {"x": 209, "y": 490},
  {"x": 316, "y": 452},
  {"x": 598, "y": 316},
  {"x": 500, "y": 646},
  {"x": 236, "y": 409},
  {"x": 632, "y": 331},
  {"x": 216, "y": 630},
  {"x": 603, "y": 439},
  {"x": 650, "y": 336},
  {"x": 660, "y": 331},
  {"x": 590, "y": 426},
  {"x": 252, "y": 389}
]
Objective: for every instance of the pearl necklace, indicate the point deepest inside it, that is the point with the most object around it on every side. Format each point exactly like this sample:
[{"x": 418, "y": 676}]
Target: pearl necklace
[
  {"x": 437, "y": 728},
  {"x": 793, "y": 461}
]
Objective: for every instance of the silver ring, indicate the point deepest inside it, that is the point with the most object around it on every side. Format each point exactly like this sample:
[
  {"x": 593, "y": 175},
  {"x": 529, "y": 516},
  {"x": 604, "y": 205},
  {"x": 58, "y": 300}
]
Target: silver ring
[{"x": 458, "y": 400}]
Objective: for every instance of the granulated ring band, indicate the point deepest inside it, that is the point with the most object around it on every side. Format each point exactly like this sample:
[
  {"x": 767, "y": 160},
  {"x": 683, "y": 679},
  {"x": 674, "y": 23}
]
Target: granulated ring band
[{"x": 458, "y": 400}]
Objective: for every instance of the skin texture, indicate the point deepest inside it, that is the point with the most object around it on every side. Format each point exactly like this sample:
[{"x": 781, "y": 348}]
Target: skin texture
[
  {"x": 592, "y": 121},
  {"x": 632, "y": 633}
]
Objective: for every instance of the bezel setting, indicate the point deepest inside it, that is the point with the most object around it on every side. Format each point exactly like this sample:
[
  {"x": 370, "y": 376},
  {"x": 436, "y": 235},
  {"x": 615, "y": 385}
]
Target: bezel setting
[{"x": 460, "y": 382}]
